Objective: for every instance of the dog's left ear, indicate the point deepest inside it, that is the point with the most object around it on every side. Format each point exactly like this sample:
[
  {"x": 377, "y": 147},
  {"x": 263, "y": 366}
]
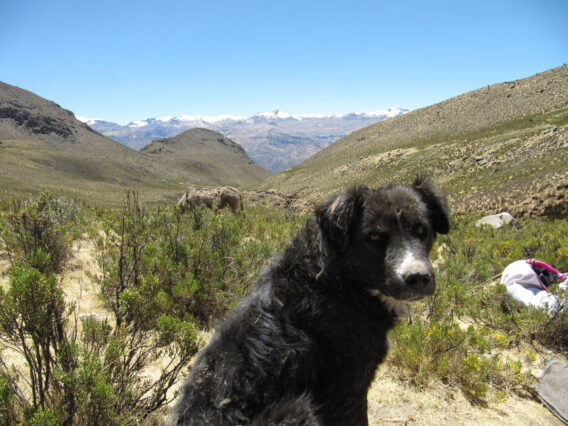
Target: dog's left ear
[
  {"x": 337, "y": 216},
  {"x": 436, "y": 202}
]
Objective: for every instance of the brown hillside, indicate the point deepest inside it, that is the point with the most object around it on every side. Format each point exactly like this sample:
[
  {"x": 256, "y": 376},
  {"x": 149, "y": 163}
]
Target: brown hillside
[
  {"x": 43, "y": 146},
  {"x": 207, "y": 152},
  {"x": 26, "y": 116},
  {"x": 476, "y": 143}
]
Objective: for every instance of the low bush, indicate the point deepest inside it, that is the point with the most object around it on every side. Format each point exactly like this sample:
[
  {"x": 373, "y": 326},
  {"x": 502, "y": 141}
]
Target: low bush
[
  {"x": 193, "y": 265},
  {"x": 39, "y": 231},
  {"x": 468, "y": 358},
  {"x": 96, "y": 376}
]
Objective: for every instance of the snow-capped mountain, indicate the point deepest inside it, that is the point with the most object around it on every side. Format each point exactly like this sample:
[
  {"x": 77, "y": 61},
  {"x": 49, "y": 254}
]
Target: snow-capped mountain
[{"x": 275, "y": 140}]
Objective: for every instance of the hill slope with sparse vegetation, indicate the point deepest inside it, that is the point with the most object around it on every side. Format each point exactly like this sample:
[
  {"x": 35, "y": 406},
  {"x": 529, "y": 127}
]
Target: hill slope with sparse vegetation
[
  {"x": 207, "y": 154},
  {"x": 43, "y": 146},
  {"x": 486, "y": 148}
]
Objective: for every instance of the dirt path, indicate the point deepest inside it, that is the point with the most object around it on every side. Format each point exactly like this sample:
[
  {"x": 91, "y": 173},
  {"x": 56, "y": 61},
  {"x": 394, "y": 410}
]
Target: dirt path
[
  {"x": 78, "y": 281},
  {"x": 394, "y": 402}
]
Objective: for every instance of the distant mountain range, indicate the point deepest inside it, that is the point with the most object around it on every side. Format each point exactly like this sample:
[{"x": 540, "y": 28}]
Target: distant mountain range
[{"x": 274, "y": 140}]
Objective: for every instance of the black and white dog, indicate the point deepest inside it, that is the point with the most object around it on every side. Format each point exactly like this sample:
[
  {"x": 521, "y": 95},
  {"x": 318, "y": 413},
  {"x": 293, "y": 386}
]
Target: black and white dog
[{"x": 304, "y": 347}]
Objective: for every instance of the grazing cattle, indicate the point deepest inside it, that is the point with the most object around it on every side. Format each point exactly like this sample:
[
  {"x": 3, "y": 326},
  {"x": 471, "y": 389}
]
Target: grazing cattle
[
  {"x": 303, "y": 348},
  {"x": 212, "y": 198}
]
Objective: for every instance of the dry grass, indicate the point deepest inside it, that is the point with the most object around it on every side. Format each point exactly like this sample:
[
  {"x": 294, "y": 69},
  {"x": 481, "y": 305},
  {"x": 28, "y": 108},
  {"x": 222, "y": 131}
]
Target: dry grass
[{"x": 78, "y": 282}]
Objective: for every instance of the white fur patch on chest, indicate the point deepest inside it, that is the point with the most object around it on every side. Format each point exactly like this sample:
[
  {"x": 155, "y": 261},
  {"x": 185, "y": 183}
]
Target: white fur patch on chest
[{"x": 398, "y": 307}]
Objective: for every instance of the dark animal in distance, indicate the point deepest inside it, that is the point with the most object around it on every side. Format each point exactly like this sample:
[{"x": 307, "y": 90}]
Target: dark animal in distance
[
  {"x": 212, "y": 198},
  {"x": 303, "y": 348}
]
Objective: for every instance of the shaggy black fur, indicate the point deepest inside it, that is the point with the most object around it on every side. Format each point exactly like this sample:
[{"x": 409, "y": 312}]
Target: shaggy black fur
[{"x": 304, "y": 347}]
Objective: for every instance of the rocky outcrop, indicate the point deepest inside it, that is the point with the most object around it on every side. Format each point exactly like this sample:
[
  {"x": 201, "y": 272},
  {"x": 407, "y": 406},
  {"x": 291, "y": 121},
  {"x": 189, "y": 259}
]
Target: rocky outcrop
[{"x": 36, "y": 124}]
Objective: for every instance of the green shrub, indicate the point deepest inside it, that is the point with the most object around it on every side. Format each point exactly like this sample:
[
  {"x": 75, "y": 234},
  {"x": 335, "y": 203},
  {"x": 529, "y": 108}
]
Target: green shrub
[
  {"x": 433, "y": 351},
  {"x": 40, "y": 417},
  {"x": 195, "y": 265},
  {"x": 39, "y": 231},
  {"x": 94, "y": 393},
  {"x": 165, "y": 273},
  {"x": 483, "y": 299},
  {"x": 93, "y": 377},
  {"x": 8, "y": 407},
  {"x": 33, "y": 316}
]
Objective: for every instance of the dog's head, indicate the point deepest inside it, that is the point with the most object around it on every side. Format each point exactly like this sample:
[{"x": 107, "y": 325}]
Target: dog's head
[{"x": 380, "y": 239}]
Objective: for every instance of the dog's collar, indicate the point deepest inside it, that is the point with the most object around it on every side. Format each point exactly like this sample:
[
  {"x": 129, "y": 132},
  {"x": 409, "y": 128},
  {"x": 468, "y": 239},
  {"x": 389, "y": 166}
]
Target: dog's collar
[{"x": 397, "y": 307}]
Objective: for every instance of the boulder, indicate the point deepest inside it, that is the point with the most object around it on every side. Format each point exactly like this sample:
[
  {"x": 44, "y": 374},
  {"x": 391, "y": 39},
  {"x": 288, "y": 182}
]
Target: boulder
[{"x": 496, "y": 220}]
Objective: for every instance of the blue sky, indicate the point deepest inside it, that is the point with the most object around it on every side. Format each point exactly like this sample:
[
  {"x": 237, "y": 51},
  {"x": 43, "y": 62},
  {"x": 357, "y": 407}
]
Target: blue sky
[{"x": 130, "y": 60}]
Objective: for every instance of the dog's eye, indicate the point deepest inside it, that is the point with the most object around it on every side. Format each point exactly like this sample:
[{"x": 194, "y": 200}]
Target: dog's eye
[
  {"x": 421, "y": 231},
  {"x": 374, "y": 236}
]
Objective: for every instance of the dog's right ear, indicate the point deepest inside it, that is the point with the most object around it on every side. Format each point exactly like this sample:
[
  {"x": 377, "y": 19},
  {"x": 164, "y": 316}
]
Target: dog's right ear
[{"x": 337, "y": 216}]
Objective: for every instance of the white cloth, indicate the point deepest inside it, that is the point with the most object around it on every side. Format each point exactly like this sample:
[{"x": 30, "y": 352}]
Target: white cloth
[{"x": 523, "y": 285}]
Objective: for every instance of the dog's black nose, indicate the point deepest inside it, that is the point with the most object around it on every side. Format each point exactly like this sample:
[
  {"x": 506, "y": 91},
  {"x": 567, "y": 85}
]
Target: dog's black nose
[{"x": 418, "y": 280}]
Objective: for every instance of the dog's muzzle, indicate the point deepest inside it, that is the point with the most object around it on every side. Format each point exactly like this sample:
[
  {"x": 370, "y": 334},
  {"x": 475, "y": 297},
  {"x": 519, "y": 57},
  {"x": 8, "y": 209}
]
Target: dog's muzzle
[
  {"x": 417, "y": 274},
  {"x": 419, "y": 277}
]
